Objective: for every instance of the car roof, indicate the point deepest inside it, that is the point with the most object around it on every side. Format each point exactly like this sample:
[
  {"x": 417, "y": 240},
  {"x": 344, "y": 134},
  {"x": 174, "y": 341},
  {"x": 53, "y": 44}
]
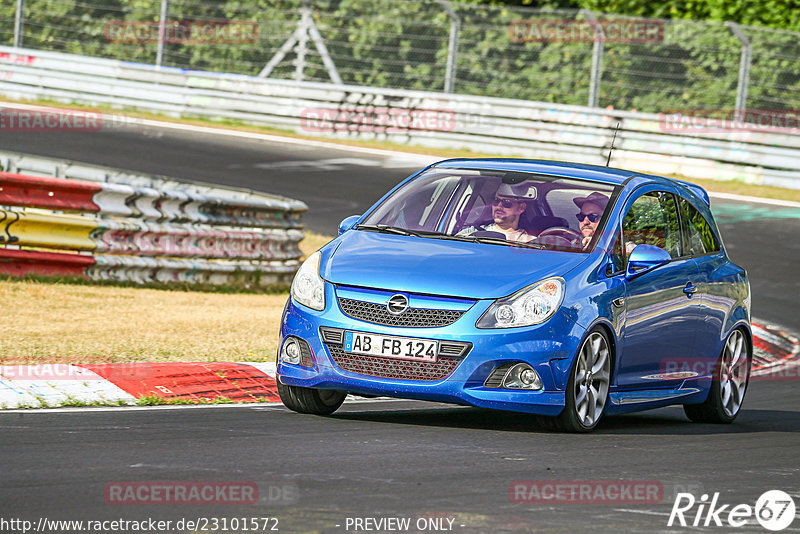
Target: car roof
[
  {"x": 557, "y": 168},
  {"x": 597, "y": 173}
]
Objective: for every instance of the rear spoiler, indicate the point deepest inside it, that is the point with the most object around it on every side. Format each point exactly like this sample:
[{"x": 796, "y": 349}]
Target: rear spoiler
[{"x": 696, "y": 189}]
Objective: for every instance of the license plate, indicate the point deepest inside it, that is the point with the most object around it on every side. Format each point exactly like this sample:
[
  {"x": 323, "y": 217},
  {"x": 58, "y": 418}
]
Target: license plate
[{"x": 401, "y": 348}]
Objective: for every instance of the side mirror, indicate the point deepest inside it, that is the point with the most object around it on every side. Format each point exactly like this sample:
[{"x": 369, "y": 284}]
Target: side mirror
[
  {"x": 645, "y": 258},
  {"x": 348, "y": 223}
]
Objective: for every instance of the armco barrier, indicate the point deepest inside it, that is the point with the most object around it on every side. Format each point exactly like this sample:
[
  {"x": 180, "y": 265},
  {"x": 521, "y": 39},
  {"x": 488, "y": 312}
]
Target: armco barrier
[
  {"x": 144, "y": 229},
  {"x": 502, "y": 126}
]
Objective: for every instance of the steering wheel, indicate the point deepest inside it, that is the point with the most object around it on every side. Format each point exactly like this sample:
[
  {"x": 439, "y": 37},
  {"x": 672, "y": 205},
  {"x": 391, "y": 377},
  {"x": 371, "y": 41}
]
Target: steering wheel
[{"x": 564, "y": 237}]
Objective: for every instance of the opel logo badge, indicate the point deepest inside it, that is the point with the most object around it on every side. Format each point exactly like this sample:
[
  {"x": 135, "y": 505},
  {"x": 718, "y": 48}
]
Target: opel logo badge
[{"x": 397, "y": 304}]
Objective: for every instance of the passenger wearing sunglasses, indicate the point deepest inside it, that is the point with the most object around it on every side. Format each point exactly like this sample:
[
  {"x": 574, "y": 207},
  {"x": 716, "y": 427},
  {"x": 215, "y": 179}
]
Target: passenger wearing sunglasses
[
  {"x": 591, "y": 210},
  {"x": 508, "y": 204}
]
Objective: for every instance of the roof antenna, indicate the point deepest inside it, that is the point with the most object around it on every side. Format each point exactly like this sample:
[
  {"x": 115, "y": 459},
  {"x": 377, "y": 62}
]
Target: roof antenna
[{"x": 610, "y": 150}]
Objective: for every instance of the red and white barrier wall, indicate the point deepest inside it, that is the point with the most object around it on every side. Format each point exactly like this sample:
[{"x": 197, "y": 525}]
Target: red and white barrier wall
[{"x": 145, "y": 229}]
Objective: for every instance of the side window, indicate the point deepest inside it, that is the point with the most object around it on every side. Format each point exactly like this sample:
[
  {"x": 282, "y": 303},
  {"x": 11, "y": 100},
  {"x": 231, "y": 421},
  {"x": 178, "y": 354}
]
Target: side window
[
  {"x": 698, "y": 238},
  {"x": 653, "y": 220}
]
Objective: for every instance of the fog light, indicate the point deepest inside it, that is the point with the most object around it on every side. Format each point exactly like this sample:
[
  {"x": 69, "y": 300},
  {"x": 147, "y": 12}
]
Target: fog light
[
  {"x": 290, "y": 352},
  {"x": 522, "y": 376},
  {"x": 297, "y": 352}
]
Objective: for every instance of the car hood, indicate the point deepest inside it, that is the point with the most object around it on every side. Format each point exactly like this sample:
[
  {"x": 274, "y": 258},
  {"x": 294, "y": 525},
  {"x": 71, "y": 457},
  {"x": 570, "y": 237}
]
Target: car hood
[{"x": 440, "y": 267}]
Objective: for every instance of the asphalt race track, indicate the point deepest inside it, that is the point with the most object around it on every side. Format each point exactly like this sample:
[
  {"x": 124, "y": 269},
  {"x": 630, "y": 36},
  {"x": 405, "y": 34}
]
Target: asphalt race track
[{"x": 404, "y": 459}]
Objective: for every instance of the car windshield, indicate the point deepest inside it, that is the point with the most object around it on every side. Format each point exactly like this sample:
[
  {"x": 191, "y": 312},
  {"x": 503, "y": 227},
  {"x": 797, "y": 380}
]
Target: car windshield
[{"x": 497, "y": 207}]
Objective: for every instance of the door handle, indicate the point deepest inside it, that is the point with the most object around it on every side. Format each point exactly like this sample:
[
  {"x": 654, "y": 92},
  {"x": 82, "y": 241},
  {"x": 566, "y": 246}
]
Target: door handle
[{"x": 690, "y": 289}]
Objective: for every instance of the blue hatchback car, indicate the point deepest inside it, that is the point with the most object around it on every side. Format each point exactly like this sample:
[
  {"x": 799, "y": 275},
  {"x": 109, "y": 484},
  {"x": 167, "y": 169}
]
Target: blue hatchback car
[{"x": 559, "y": 289}]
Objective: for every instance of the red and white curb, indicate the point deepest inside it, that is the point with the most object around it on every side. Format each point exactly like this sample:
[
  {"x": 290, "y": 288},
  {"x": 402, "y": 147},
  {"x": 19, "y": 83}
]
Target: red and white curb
[
  {"x": 50, "y": 385},
  {"x": 776, "y": 357}
]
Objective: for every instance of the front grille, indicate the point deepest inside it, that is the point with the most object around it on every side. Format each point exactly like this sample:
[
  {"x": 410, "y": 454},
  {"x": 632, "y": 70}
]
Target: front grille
[
  {"x": 391, "y": 368},
  {"x": 450, "y": 354},
  {"x": 413, "y": 317}
]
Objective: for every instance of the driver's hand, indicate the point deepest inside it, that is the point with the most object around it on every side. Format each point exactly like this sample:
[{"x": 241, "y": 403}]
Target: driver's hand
[{"x": 585, "y": 241}]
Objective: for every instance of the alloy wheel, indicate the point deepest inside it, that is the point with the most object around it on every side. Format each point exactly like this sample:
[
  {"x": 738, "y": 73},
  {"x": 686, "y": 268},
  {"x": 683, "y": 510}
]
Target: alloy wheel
[
  {"x": 733, "y": 375},
  {"x": 592, "y": 376}
]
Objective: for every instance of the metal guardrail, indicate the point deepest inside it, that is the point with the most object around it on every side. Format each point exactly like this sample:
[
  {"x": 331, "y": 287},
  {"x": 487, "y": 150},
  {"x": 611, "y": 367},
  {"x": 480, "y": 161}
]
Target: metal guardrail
[
  {"x": 645, "y": 142},
  {"x": 156, "y": 230}
]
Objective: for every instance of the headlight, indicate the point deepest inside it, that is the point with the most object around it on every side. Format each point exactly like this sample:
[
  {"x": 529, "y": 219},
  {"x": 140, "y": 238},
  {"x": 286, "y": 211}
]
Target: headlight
[
  {"x": 308, "y": 288},
  {"x": 531, "y": 305}
]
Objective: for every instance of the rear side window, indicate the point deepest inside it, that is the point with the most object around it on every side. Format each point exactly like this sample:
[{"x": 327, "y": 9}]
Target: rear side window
[
  {"x": 653, "y": 220},
  {"x": 698, "y": 238}
]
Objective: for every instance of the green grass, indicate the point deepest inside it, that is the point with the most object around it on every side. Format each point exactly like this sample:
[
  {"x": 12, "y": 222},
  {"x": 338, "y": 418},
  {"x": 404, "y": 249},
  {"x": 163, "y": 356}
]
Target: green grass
[
  {"x": 226, "y": 289},
  {"x": 160, "y": 401}
]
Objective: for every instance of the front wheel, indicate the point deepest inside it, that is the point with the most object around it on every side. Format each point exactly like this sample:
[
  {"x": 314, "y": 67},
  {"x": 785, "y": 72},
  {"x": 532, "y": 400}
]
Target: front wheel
[
  {"x": 587, "y": 388},
  {"x": 728, "y": 385},
  {"x": 309, "y": 400}
]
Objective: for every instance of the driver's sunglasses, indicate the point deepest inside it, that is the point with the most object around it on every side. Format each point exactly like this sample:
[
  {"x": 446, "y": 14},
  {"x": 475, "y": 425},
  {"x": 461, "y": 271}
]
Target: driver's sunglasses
[
  {"x": 503, "y": 201},
  {"x": 593, "y": 217}
]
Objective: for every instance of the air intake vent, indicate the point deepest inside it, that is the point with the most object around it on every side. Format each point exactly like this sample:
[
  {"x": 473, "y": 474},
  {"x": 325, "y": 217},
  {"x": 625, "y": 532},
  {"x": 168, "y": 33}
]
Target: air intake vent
[{"x": 495, "y": 379}]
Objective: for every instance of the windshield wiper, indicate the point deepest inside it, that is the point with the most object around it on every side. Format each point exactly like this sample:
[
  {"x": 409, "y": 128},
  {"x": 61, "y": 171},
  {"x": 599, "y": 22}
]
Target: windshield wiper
[
  {"x": 387, "y": 229},
  {"x": 439, "y": 235},
  {"x": 498, "y": 241}
]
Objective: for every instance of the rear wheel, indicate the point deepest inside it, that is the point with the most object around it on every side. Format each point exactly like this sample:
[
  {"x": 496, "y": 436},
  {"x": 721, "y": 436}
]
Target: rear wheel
[
  {"x": 728, "y": 386},
  {"x": 309, "y": 400},
  {"x": 587, "y": 388}
]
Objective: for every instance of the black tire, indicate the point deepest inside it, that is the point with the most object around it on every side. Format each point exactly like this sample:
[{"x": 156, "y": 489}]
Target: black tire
[
  {"x": 310, "y": 400},
  {"x": 569, "y": 419},
  {"x": 714, "y": 410}
]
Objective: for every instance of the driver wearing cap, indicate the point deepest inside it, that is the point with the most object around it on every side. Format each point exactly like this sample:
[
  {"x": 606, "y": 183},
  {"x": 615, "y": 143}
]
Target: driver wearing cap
[
  {"x": 508, "y": 204},
  {"x": 591, "y": 207}
]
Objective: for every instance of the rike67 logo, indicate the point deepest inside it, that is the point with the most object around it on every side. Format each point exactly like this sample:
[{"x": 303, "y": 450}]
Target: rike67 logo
[{"x": 774, "y": 510}]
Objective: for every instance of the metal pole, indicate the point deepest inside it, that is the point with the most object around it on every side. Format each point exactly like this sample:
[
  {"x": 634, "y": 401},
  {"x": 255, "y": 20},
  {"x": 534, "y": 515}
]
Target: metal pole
[
  {"x": 744, "y": 69},
  {"x": 162, "y": 33},
  {"x": 302, "y": 45},
  {"x": 597, "y": 59},
  {"x": 19, "y": 20},
  {"x": 319, "y": 42},
  {"x": 452, "y": 47}
]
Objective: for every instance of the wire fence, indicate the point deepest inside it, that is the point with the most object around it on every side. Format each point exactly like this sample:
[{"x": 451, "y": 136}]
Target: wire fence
[{"x": 561, "y": 56}]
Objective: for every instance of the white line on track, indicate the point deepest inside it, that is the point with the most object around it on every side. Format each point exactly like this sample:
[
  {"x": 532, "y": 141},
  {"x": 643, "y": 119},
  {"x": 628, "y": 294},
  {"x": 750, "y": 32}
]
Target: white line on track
[
  {"x": 238, "y": 405},
  {"x": 744, "y": 198},
  {"x": 99, "y": 409},
  {"x": 645, "y": 512},
  {"x": 423, "y": 159}
]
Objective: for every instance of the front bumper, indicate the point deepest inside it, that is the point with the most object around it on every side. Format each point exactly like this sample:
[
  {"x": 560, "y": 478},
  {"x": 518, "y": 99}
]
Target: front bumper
[{"x": 549, "y": 348}]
